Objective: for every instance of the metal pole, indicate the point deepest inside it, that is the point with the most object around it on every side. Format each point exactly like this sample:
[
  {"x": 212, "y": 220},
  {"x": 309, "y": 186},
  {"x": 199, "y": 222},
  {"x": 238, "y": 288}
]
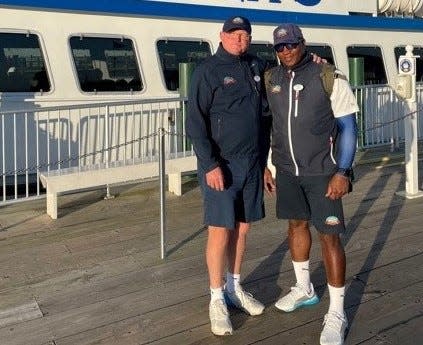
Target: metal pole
[
  {"x": 162, "y": 174},
  {"x": 411, "y": 149},
  {"x": 410, "y": 128}
]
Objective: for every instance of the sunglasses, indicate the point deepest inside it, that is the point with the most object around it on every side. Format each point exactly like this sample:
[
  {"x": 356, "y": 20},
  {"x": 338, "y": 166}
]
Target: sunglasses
[{"x": 280, "y": 47}]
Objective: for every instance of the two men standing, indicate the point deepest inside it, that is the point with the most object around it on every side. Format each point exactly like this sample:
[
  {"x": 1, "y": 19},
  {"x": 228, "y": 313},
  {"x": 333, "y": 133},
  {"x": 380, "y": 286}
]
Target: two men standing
[{"x": 228, "y": 123}]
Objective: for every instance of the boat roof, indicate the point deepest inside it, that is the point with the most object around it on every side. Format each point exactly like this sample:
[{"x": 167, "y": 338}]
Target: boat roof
[{"x": 304, "y": 12}]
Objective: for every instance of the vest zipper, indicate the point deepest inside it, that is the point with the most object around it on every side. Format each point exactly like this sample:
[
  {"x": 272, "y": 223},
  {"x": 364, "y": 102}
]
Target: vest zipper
[
  {"x": 331, "y": 150},
  {"x": 291, "y": 147}
]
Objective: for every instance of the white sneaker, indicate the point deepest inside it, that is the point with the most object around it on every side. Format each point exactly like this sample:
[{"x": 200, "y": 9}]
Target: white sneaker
[
  {"x": 244, "y": 301},
  {"x": 334, "y": 328},
  {"x": 297, "y": 298},
  {"x": 219, "y": 318}
]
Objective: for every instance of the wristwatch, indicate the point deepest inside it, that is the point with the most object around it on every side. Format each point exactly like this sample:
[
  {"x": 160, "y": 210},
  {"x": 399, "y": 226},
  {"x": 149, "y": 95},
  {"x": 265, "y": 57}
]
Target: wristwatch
[{"x": 344, "y": 172}]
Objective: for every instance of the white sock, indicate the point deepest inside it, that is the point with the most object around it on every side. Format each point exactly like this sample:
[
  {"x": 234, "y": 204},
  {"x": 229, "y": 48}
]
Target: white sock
[
  {"x": 302, "y": 273},
  {"x": 232, "y": 282},
  {"x": 216, "y": 293},
  {"x": 336, "y": 296}
]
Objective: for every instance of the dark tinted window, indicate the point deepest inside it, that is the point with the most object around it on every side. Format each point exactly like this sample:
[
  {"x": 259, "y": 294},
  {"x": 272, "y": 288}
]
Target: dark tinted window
[
  {"x": 171, "y": 53},
  {"x": 22, "y": 66},
  {"x": 105, "y": 64},
  {"x": 374, "y": 68},
  {"x": 265, "y": 52},
  {"x": 419, "y": 61},
  {"x": 324, "y": 51}
]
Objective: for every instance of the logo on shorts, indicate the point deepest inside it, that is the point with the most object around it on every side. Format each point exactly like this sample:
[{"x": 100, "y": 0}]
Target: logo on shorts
[
  {"x": 228, "y": 81},
  {"x": 332, "y": 220}
]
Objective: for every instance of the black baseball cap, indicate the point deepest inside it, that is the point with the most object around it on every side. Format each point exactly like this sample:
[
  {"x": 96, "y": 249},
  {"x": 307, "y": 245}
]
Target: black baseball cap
[{"x": 237, "y": 23}]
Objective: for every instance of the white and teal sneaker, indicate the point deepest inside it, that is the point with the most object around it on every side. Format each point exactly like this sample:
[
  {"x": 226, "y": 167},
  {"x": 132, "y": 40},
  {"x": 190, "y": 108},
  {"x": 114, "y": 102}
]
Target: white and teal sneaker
[{"x": 297, "y": 298}]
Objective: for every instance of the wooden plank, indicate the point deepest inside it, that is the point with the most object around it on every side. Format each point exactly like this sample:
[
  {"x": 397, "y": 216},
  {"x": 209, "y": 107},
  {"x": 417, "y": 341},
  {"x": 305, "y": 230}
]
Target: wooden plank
[
  {"x": 97, "y": 275},
  {"x": 187, "y": 310},
  {"x": 401, "y": 324},
  {"x": 20, "y": 313},
  {"x": 273, "y": 327}
]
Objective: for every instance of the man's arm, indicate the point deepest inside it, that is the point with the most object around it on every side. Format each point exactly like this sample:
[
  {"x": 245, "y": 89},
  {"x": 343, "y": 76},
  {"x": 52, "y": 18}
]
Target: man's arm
[
  {"x": 340, "y": 182},
  {"x": 347, "y": 127},
  {"x": 344, "y": 106},
  {"x": 197, "y": 120}
]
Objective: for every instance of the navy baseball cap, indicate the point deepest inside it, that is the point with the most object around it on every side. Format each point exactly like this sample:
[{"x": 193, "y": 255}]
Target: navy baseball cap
[
  {"x": 287, "y": 33},
  {"x": 237, "y": 23}
]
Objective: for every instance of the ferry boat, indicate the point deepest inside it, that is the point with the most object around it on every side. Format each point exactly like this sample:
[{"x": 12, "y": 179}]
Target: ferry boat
[
  {"x": 70, "y": 51},
  {"x": 63, "y": 56}
]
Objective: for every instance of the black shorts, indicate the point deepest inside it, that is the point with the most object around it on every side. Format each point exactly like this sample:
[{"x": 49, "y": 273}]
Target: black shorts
[
  {"x": 242, "y": 198},
  {"x": 303, "y": 198}
]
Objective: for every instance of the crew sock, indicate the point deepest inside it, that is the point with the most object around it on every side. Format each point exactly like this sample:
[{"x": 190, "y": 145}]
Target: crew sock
[
  {"x": 302, "y": 273},
  {"x": 216, "y": 293},
  {"x": 232, "y": 282},
  {"x": 336, "y": 296}
]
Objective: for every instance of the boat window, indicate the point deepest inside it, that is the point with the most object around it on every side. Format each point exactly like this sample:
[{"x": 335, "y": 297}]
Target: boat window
[
  {"x": 22, "y": 65},
  {"x": 323, "y": 51},
  {"x": 172, "y": 52},
  {"x": 374, "y": 68},
  {"x": 105, "y": 64},
  {"x": 264, "y": 51},
  {"x": 419, "y": 61}
]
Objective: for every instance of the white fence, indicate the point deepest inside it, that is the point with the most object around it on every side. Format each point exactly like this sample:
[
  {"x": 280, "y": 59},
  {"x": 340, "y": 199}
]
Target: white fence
[
  {"x": 82, "y": 136},
  {"x": 380, "y": 119},
  {"x": 52, "y": 138}
]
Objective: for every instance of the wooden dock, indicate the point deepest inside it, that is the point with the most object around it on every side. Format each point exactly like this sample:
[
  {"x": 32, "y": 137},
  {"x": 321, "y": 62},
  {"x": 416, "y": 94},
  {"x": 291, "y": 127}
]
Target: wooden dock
[{"x": 94, "y": 276}]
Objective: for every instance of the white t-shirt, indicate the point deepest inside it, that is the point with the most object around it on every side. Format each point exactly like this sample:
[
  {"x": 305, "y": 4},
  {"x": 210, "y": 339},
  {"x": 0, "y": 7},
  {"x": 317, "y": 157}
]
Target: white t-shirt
[{"x": 342, "y": 98}]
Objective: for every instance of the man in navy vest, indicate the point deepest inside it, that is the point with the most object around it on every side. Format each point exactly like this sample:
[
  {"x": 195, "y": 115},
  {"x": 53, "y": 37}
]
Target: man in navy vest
[{"x": 311, "y": 177}]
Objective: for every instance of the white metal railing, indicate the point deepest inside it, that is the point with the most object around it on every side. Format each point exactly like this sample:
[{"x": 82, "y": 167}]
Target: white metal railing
[
  {"x": 380, "y": 118},
  {"x": 54, "y": 138},
  {"x": 82, "y": 136}
]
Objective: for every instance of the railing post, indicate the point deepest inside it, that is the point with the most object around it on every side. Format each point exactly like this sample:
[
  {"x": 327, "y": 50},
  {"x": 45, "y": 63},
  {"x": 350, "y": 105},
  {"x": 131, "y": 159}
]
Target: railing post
[
  {"x": 162, "y": 175},
  {"x": 106, "y": 133},
  {"x": 407, "y": 67}
]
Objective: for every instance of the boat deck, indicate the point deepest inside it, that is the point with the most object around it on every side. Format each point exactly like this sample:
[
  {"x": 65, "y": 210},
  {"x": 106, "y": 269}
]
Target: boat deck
[{"x": 94, "y": 276}]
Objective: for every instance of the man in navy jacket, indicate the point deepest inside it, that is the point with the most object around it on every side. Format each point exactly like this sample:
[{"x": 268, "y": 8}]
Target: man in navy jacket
[{"x": 227, "y": 124}]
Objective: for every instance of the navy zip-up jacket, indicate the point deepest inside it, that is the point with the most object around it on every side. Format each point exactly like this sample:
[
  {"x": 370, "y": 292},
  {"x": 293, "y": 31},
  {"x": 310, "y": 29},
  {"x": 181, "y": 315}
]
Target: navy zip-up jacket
[{"x": 227, "y": 116}]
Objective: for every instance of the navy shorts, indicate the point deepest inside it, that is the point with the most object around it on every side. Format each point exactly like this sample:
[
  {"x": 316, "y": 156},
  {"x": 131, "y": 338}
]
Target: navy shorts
[
  {"x": 303, "y": 198},
  {"x": 242, "y": 198}
]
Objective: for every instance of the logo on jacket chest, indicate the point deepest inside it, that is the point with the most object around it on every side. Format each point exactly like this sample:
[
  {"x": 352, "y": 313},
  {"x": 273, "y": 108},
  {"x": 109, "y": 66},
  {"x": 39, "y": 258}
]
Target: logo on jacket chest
[{"x": 229, "y": 81}]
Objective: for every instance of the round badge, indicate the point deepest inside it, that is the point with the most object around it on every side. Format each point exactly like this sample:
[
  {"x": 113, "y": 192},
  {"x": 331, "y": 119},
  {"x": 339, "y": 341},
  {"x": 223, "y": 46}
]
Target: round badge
[
  {"x": 257, "y": 78},
  {"x": 298, "y": 87}
]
